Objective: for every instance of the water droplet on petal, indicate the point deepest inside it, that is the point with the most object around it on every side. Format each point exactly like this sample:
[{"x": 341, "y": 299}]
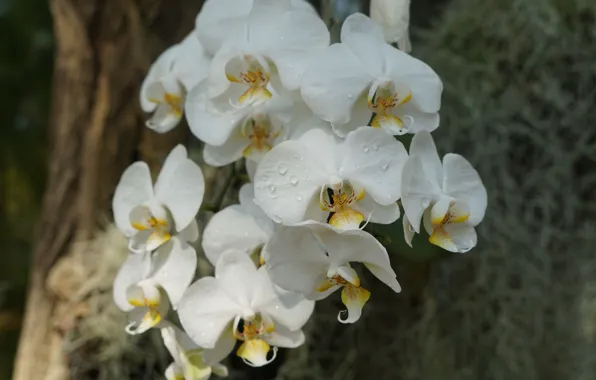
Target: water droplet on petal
[
  {"x": 365, "y": 148},
  {"x": 272, "y": 188},
  {"x": 293, "y": 180},
  {"x": 384, "y": 166},
  {"x": 376, "y": 147},
  {"x": 299, "y": 198},
  {"x": 282, "y": 169}
]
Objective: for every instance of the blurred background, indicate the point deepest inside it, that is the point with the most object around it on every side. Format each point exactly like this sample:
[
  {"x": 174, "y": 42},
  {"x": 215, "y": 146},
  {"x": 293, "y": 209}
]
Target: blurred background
[{"x": 519, "y": 103}]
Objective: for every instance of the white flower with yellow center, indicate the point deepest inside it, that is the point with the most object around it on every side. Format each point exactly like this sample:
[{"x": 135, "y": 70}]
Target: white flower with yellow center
[
  {"x": 449, "y": 196},
  {"x": 365, "y": 81},
  {"x": 149, "y": 215},
  {"x": 270, "y": 48},
  {"x": 189, "y": 358},
  {"x": 314, "y": 260},
  {"x": 243, "y": 227},
  {"x": 174, "y": 73},
  {"x": 147, "y": 284},
  {"x": 343, "y": 182},
  {"x": 240, "y": 303},
  {"x": 229, "y": 135},
  {"x": 394, "y": 18}
]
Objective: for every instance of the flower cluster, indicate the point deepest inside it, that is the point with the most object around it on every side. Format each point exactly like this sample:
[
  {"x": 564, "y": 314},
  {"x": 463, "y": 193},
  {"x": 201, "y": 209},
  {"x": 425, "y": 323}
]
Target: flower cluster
[{"x": 318, "y": 126}]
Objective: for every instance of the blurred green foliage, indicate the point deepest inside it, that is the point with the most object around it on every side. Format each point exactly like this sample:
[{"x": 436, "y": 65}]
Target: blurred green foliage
[{"x": 25, "y": 79}]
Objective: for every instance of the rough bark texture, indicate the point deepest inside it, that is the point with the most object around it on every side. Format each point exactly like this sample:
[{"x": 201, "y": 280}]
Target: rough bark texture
[{"x": 103, "y": 50}]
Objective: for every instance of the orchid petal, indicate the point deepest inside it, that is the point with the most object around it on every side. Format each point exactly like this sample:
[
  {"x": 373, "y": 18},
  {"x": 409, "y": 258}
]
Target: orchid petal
[
  {"x": 296, "y": 260},
  {"x": 360, "y": 246},
  {"x": 425, "y": 84},
  {"x": 289, "y": 309},
  {"x": 333, "y": 83},
  {"x": 208, "y": 124},
  {"x": 462, "y": 182},
  {"x": 133, "y": 270},
  {"x": 180, "y": 187},
  {"x": 232, "y": 228},
  {"x": 375, "y": 162},
  {"x": 417, "y": 190},
  {"x": 290, "y": 176},
  {"x": 134, "y": 188},
  {"x": 224, "y": 345},
  {"x": 236, "y": 274},
  {"x": 174, "y": 268},
  {"x": 206, "y": 310}
]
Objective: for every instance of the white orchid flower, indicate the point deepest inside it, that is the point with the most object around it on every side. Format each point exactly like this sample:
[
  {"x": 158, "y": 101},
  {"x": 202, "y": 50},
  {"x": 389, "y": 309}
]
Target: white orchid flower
[
  {"x": 147, "y": 284},
  {"x": 240, "y": 132},
  {"x": 314, "y": 259},
  {"x": 394, "y": 18},
  {"x": 449, "y": 196},
  {"x": 321, "y": 177},
  {"x": 173, "y": 74},
  {"x": 213, "y": 309},
  {"x": 189, "y": 363},
  {"x": 365, "y": 81},
  {"x": 221, "y": 19},
  {"x": 150, "y": 215},
  {"x": 243, "y": 227},
  {"x": 272, "y": 47}
]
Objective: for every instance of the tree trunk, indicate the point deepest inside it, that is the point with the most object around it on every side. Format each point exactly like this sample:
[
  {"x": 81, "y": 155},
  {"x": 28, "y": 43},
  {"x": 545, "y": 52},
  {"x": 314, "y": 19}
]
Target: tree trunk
[{"x": 103, "y": 51}]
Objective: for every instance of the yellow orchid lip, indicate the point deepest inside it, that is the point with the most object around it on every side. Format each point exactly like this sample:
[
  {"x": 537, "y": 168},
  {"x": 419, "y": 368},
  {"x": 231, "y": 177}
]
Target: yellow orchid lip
[
  {"x": 254, "y": 349},
  {"x": 383, "y": 99},
  {"x": 339, "y": 200},
  {"x": 353, "y": 296},
  {"x": 260, "y": 133},
  {"x": 173, "y": 101},
  {"x": 151, "y": 318},
  {"x": 143, "y": 219},
  {"x": 253, "y": 74},
  {"x": 439, "y": 236}
]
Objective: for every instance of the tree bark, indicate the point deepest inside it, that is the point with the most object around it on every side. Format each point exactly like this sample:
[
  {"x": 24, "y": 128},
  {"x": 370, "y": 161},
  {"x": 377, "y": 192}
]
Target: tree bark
[{"x": 103, "y": 50}]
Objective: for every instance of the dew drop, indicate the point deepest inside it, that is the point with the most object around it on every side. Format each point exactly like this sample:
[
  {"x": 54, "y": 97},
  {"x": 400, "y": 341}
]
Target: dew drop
[
  {"x": 375, "y": 147},
  {"x": 272, "y": 188},
  {"x": 299, "y": 198},
  {"x": 282, "y": 169},
  {"x": 365, "y": 148},
  {"x": 293, "y": 180},
  {"x": 385, "y": 166}
]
